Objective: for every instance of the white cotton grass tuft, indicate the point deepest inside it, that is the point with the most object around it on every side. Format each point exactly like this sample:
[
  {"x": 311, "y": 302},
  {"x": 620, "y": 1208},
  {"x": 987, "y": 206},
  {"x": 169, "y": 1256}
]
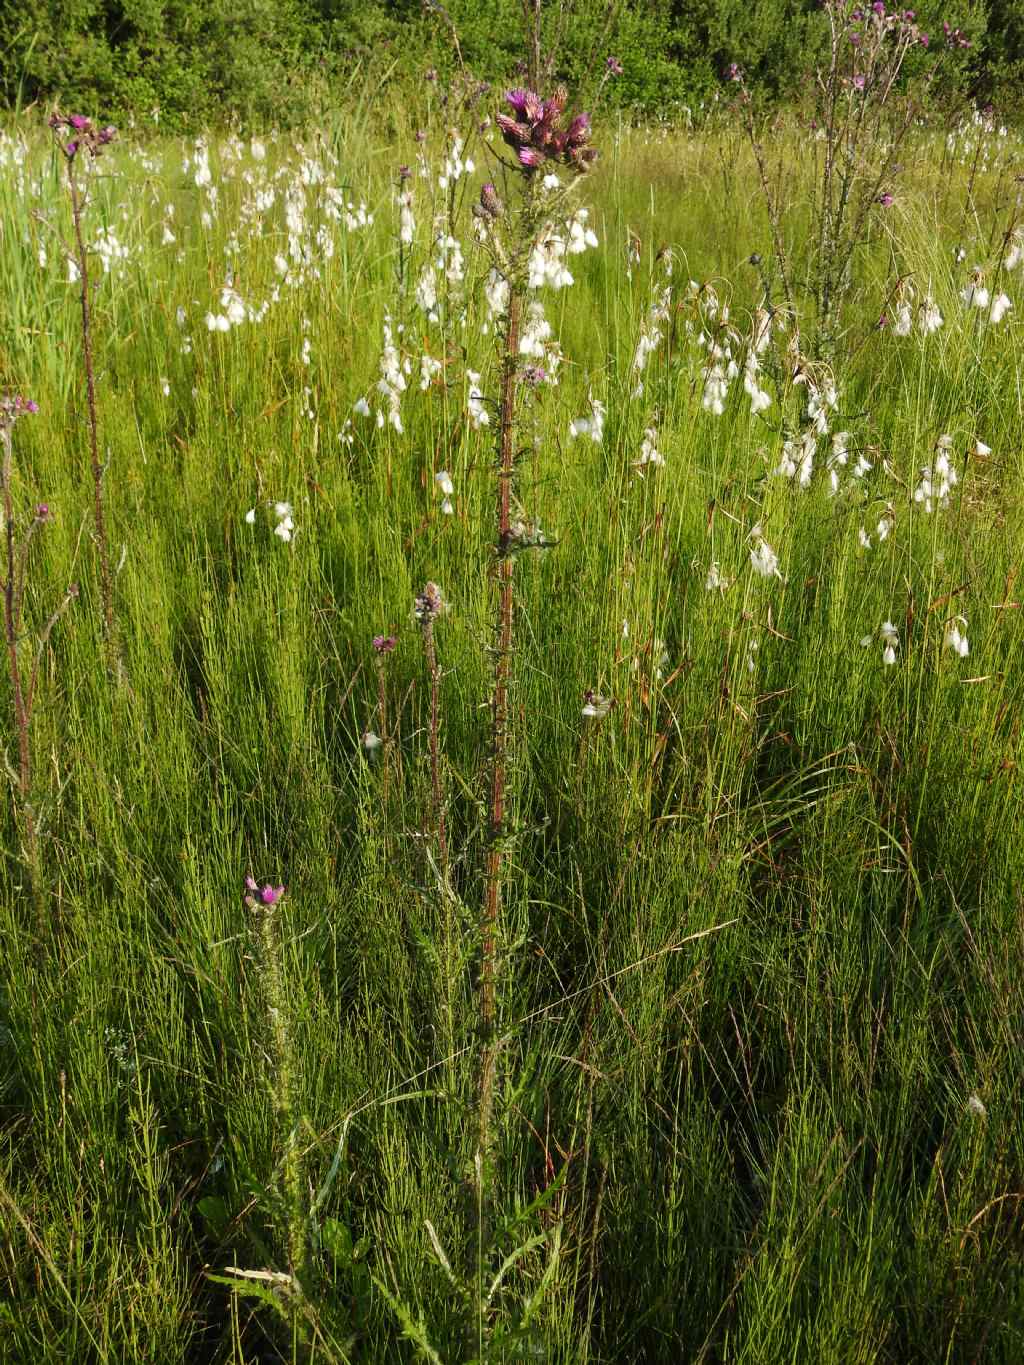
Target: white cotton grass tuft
[
  {"x": 592, "y": 426},
  {"x": 478, "y": 414},
  {"x": 974, "y": 293},
  {"x": 889, "y": 639},
  {"x": 797, "y": 462},
  {"x": 976, "y": 1107},
  {"x": 763, "y": 559},
  {"x": 596, "y": 707},
  {"x": 955, "y": 637},
  {"x": 282, "y": 512},
  {"x": 1001, "y": 305},
  {"x": 716, "y": 581},
  {"x": 444, "y": 482},
  {"x": 938, "y": 478},
  {"x": 649, "y": 452}
]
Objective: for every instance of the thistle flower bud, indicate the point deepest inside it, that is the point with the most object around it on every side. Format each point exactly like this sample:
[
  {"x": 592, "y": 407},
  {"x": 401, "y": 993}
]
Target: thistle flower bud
[
  {"x": 555, "y": 106},
  {"x": 490, "y": 201},
  {"x": 579, "y": 130},
  {"x": 429, "y": 604}
]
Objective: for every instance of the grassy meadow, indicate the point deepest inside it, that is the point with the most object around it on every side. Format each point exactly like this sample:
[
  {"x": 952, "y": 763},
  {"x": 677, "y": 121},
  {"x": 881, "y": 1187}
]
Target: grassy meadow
[{"x": 760, "y": 992}]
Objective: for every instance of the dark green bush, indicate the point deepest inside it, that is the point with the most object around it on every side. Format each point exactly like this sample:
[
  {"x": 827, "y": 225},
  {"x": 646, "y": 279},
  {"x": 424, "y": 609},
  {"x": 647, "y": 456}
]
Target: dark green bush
[{"x": 276, "y": 61}]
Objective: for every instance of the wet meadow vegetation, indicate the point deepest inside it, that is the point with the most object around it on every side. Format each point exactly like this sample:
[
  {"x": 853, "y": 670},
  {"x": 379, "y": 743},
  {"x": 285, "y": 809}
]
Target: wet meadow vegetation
[{"x": 513, "y": 835}]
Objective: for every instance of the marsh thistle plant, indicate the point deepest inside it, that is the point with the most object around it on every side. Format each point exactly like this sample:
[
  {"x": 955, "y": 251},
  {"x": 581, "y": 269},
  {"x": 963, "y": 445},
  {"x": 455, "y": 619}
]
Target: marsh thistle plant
[{"x": 544, "y": 143}]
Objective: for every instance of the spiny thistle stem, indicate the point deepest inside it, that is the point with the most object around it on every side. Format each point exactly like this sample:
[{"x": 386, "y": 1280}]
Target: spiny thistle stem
[
  {"x": 499, "y": 722},
  {"x": 264, "y": 901}
]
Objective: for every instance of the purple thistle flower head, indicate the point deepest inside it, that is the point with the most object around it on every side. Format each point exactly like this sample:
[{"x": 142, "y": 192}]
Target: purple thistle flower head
[
  {"x": 858, "y": 82},
  {"x": 265, "y": 895},
  {"x": 733, "y": 72},
  {"x": 923, "y": 39},
  {"x": 613, "y": 66},
  {"x": 106, "y": 135},
  {"x": 14, "y": 406},
  {"x": 42, "y": 512},
  {"x": 72, "y": 147},
  {"x": 419, "y": 135},
  {"x": 879, "y": 8},
  {"x": 534, "y": 375},
  {"x": 80, "y": 123},
  {"x": 885, "y": 199},
  {"x": 404, "y": 173},
  {"x": 534, "y": 134},
  {"x": 527, "y": 104},
  {"x": 384, "y": 644}
]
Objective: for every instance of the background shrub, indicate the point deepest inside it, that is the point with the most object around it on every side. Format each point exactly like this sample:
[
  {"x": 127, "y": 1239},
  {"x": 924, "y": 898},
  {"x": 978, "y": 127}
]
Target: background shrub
[{"x": 266, "y": 62}]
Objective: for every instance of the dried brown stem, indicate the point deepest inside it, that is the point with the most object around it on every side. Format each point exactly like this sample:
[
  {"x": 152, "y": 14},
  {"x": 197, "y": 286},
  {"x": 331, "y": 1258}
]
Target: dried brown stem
[{"x": 99, "y": 518}]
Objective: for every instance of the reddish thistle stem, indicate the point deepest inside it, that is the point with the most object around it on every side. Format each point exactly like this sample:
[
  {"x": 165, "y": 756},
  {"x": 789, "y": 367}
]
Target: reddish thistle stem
[
  {"x": 12, "y": 614},
  {"x": 437, "y": 795}
]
